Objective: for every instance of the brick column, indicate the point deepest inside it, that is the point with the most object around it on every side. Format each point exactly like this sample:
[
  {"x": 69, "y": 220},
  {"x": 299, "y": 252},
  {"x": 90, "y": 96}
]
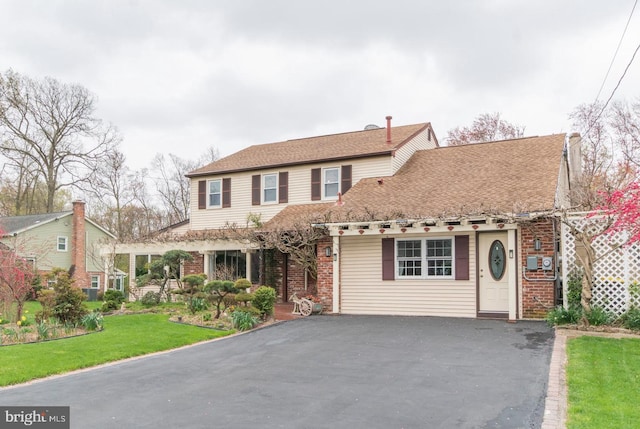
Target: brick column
[
  {"x": 538, "y": 293},
  {"x": 325, "y": 274},
  {"x": 78, "y": 246}
]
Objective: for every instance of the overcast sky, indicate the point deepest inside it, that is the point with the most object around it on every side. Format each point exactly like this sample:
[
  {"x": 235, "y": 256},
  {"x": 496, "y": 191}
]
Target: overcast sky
[{"x": 180, "y": 76}]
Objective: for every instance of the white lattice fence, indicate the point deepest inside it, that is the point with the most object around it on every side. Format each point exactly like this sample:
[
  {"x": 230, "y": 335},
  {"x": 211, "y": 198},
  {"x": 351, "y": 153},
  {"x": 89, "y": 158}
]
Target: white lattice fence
[{"x": 616, "y": 273}]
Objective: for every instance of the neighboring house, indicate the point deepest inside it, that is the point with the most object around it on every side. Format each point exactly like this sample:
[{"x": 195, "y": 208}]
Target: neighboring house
[
  {"x": 411, "y": 227},
  {"x": 66, "y": 240}
]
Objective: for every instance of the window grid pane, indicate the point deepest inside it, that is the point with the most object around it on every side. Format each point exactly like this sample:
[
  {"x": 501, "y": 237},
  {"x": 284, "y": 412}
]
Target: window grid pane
[
  {"x": 409, "y": 258},
  {"x": 215, "y": 195},
  {"x": 331, "y": 182},
  {"x": 437, "y": 258},
  {"x": 269, "y": 194}
]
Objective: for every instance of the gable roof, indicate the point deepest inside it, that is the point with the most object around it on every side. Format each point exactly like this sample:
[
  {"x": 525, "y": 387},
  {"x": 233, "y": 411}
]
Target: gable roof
[
  {"x": 11, "y": 225},
  {"x": 16, "y": 224},
  {"x": 509, "y": 176},
  {"x": 355, "y": 144}
]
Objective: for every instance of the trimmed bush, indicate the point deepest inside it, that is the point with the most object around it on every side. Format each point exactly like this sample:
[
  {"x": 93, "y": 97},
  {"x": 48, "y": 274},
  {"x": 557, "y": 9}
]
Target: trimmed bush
[
  {"x": 114, "y": 295},
  {"x": 244, "y": 298},
  {"x": 242, "y": 284},
  {"x": 109, "y": 306},
  {"x": 150, "y": 299},
  {"x": 264, "y": 300}
]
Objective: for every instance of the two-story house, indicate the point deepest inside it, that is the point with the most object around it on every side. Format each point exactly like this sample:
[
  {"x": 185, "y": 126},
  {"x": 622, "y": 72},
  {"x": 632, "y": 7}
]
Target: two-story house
[
  {"x": 67, "y": 240},
  {"x": 411, "y": 227},
  {"x": 260, "y": 181}
]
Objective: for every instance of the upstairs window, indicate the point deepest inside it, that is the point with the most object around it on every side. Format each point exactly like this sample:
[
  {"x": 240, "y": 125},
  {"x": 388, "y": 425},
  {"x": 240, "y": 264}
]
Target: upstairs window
[
  {"x": 326, "y": 183},
  {"x": 331, "y": 182},
  {"x": 270, "y": 188},
  {"x": 62, "y": 244},
  {"x": 215, "y": 193}
]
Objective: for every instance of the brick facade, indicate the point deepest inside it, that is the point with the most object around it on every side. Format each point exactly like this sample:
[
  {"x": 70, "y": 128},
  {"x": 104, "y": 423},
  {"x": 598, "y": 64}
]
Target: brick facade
[
  {"x": 325, "y": 275},
  {"x": 538, "y": 293},
  {"x": 194, "y": 267}
]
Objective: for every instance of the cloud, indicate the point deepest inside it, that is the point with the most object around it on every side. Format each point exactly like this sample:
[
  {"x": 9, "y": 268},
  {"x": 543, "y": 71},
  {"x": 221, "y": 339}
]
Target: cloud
[{"x": 178, "y": 77}]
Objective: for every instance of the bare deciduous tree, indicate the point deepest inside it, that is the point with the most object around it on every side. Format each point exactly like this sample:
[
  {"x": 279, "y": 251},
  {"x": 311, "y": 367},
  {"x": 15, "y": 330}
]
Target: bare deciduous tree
[
  {"x": 51, "y": 125},
  {"x": 486, "y": 127},
  {"x": 113, "y": 190},
  {"x": 609, "y": 150}
]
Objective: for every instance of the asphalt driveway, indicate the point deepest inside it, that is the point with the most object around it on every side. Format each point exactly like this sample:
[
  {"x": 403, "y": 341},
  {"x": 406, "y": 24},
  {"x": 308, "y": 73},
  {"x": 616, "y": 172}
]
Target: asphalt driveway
[{"x": 321, "y": 372}]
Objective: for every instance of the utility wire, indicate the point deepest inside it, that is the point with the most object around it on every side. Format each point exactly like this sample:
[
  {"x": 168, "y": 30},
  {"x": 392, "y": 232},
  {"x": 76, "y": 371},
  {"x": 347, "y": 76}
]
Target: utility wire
[
  {"x": 617, "y": 49},
  {"x": 614, "y": 90}
]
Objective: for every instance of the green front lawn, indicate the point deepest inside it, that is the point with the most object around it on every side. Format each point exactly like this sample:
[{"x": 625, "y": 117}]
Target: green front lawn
[
  {"x": 603, "y": 379},
  {"x": 122, "y": 337}
]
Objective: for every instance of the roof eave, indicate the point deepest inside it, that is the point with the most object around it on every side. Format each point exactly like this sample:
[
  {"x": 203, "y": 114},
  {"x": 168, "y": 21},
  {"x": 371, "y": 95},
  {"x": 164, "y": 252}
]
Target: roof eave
[{"x": 388, "y": 152}]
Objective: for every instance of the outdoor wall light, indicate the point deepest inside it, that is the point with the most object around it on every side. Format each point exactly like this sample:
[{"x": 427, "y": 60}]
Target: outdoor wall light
[
  {"x": 327, "y": 251},
  {"x": 536, "y": 244}
]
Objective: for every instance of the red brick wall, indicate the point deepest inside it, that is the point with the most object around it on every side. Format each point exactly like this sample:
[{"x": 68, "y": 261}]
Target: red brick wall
[
  {"x": 295, "y": 278},
  {"x": 325, "y": 275},
  {"x": 193, "y": 267},
  {"x": 538, "y": 294}
]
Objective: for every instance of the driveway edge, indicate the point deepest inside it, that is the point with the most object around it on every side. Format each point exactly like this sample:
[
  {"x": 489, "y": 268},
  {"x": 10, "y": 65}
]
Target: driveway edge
[{"x": 555, "y": 407}]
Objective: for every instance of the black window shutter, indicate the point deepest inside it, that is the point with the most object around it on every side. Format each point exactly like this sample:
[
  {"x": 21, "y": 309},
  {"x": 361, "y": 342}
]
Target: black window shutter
[
  {"x": 345, "y": 178},
  {"x": 283, "y": 185},
  {"x": 226, "y": 192},
  {"x": 202, "y": 194},
  {"x": 388, "y": 259},
  {"x": 255, "y": 190},
  {"x": 316, "y": 184},
  {"x": 462, "y": 257}
]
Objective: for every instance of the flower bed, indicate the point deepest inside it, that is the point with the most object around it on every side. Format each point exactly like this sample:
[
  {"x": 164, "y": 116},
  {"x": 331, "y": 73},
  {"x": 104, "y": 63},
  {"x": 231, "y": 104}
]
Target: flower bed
[{"x": 12, "y": 333}]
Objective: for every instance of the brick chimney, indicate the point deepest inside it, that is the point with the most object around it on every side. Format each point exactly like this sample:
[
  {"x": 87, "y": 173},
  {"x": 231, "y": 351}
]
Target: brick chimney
[
  {"x": 78, "y": 244},
  {"x": 389, "y": 118}
]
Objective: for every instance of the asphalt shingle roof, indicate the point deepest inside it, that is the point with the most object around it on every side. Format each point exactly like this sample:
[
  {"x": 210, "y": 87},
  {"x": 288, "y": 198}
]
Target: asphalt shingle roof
[
  {"x": 313, "y": 149},
  {"x": 509, "y": 176},
  {"x": 13, "y": 224}
]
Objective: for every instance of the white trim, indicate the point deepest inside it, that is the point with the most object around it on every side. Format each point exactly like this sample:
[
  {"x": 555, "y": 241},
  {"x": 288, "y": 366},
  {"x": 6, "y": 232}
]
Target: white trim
[
  {"x": 209, "y": 205},
  {"x": 513, "y": 279},
  {"x": 336, "y": 274},
  {"x": 424, "y": 259},
  {"x": 66, "y": 243},
  {"x": 97, "y": 277},
  {"x": 263, "y": 188},
  {"x": 324, "y": 183}
]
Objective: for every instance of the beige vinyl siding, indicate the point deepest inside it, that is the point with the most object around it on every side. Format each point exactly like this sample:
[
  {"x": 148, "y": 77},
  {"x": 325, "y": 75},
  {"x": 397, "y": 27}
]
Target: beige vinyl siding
[
  {"x": 299, "y": 191},
  {"x": 419, "y": 142},
  {"x": 364, "y": 292}
]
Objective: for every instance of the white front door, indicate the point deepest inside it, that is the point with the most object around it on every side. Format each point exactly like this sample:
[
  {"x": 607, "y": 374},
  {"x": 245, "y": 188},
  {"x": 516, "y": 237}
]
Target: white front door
[{"x": 493, "y": 271}]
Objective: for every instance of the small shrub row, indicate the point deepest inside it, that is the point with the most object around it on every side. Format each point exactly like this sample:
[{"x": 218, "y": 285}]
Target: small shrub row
[{"x": 596, "y": 317}]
